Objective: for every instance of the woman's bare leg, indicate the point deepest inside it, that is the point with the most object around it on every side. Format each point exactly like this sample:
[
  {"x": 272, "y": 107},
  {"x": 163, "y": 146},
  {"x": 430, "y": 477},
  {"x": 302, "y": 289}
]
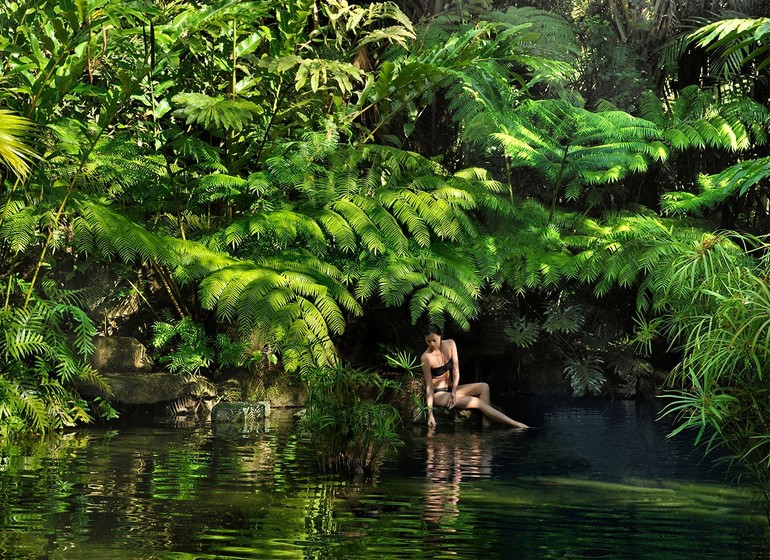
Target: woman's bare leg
[
  {"x": 480, "y": 390},
  {"x": 486, "y": 409}
]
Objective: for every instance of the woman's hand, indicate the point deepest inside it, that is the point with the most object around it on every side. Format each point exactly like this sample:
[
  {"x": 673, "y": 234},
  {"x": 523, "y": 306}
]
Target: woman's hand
[
  {"x": 452, "y": 400},
  {"x": 431, "y": 420}
]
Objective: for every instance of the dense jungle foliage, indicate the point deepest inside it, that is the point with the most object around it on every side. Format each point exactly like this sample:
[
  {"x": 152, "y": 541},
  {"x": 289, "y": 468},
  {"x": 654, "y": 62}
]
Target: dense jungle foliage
[{"x": 256, "y": 177}]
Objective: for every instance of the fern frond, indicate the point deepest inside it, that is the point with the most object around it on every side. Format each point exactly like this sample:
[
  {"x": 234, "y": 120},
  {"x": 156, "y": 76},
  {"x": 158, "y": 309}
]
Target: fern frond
[
  {"x": 735, "y": 181},
  {"x": 202, "y": 153},
  {"x": 20, "y": 402},
  {"x": 117, "y": 165},
  {"x": 21, "y": 225},
  {"x": 297, "y": 306},
  {"x": 371, "y": 237},
  {"x": 281, "y": 227},
  {"x": 100, "y": 230},
  {"x": 216, "y": 114}
]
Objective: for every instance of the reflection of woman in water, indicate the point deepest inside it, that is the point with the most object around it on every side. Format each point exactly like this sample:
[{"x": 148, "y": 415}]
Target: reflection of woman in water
[
  {"x": 450, "y": 458},
  {"x": 443, "y": 469},
  {"x": 441, "y": 371}
]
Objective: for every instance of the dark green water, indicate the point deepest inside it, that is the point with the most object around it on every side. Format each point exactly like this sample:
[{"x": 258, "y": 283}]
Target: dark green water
[{"x": 600, "y": 480}]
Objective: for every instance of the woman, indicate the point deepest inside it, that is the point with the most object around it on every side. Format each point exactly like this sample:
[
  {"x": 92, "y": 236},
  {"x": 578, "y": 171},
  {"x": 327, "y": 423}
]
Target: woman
[{"x": 441, "y": 371}]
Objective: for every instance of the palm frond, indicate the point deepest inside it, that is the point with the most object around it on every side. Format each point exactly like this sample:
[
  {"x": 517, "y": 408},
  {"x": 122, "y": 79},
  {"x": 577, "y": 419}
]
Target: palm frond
[
  {"x": 15, "y": 153},
  {"x": 740, "y": 38}
]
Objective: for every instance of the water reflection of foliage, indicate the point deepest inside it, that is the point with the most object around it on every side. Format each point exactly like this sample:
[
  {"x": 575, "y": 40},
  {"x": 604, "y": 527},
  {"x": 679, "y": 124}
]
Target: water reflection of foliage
[
  {"x": 37, "y": 471},
  {"x": 192, "y": 495}
]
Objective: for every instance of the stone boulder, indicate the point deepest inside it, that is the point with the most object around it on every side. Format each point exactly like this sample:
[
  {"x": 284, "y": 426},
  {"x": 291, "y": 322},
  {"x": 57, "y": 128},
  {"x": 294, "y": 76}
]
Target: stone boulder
[
  {"x": 279, "y": 389},
  {"x": 240, "y": 412},
  {"x": 410, "y": 400},
  {"x": 134, "y": 388},
  {"x": 120, "y": 353},
  {"x": 129, "y": 382}
]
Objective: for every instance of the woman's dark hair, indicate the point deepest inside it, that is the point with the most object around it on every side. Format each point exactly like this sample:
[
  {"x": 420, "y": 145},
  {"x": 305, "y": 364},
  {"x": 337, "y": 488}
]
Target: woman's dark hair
[{"x": 432, "y": 329}]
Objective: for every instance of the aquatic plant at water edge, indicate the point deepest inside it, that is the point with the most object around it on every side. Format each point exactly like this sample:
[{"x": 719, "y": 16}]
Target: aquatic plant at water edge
[{"x": 346, "y": 420}]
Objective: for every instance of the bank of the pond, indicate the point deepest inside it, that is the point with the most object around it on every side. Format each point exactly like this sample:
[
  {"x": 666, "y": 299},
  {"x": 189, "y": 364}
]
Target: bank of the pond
[{"x": 600, "y": 479}]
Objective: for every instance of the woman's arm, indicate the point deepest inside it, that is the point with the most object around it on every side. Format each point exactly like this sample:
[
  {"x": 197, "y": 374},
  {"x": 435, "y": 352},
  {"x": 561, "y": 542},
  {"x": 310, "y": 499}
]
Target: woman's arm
[
  {"x": 455, "y": 373},
  {"x": 428, "y": 379}
]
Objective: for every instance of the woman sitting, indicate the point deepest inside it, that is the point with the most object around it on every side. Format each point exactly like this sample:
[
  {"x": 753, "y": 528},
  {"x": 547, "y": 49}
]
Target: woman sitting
[{"x": 441, "y": 371}]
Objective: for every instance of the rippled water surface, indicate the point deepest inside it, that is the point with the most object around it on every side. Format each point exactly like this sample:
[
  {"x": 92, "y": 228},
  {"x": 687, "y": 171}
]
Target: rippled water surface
[{"x": 599, "y": 480}]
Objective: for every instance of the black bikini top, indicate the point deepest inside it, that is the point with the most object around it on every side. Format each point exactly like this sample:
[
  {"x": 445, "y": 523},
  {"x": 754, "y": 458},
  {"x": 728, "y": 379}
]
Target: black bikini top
[{"x": 440, "y": 370}]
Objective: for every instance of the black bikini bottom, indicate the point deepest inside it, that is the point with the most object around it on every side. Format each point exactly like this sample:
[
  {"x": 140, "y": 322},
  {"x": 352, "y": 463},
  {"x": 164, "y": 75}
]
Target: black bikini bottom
[{"x": 442, "y": 390}]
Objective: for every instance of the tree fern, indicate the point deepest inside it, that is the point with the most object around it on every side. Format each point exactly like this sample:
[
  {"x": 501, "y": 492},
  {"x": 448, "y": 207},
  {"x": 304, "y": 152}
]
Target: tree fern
[
  {"x": 697, "y": 118},
  {"x": 280, "y": 228},
  {"x": 737, "y": 51},
  {"x": 523, "y": 248},
  {"x": 463, "y": 63},
  {"x": 573, "y": 148},
  {"x": 546, "y": 49},
  {"x": 369, "y": 198},
  {"x": 299, "y": 306}
]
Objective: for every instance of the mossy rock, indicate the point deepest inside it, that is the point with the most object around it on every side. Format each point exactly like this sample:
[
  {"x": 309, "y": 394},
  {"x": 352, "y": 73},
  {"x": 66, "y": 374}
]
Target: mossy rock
[{"x": 120, "y": 353}]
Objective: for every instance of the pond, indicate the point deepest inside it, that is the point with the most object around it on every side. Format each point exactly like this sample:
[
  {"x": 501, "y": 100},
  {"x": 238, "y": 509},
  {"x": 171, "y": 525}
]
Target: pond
[{"x": 598, "y": 480}]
